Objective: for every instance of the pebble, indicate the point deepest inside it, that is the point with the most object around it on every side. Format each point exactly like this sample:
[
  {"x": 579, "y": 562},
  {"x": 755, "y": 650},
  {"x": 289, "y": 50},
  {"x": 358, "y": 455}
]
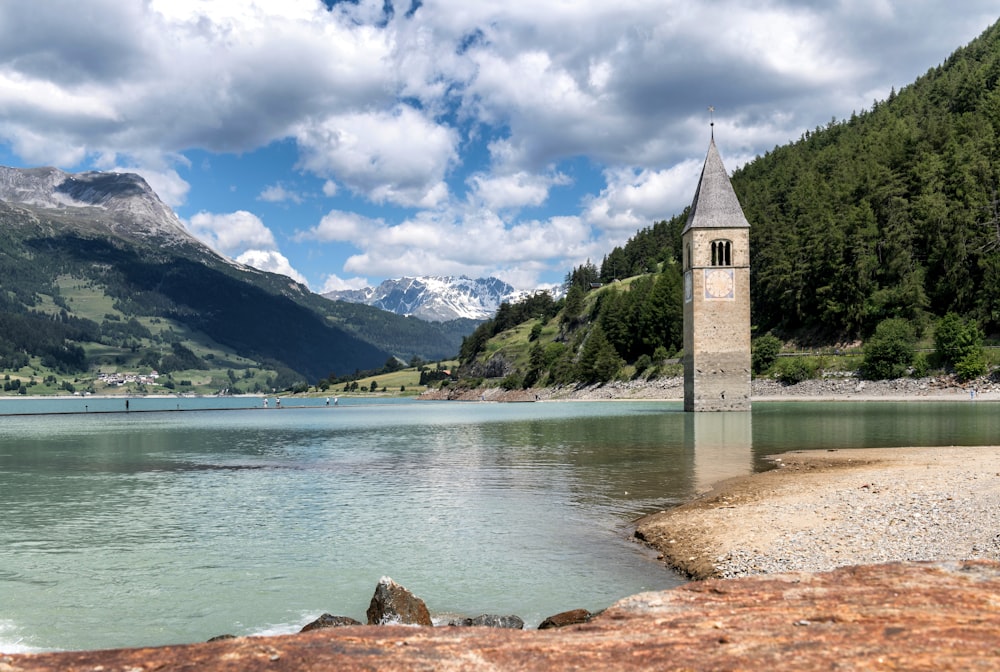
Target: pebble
[
  {"x": 882, "y": 522},
  {"x": 837, "y": 384}
]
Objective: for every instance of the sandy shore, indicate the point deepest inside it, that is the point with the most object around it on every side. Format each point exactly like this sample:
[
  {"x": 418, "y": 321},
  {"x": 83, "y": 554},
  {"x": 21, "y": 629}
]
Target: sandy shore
[{"x": 822, "y": 510}]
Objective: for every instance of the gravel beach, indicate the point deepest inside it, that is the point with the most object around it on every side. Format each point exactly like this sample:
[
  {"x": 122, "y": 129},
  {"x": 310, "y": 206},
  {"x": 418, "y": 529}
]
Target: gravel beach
[
  {"x": 846, "y": 387},
  {"x": 822, "y": 510}
]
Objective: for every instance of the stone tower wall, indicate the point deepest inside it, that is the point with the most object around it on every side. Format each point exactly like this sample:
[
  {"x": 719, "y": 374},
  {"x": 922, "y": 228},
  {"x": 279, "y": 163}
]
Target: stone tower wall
[{"x": 717, "y": 331}]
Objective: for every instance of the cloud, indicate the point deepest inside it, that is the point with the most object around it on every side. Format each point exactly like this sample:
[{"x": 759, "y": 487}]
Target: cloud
[
  {"x": 615, "y": 83},
  {"x": 398, "y": 156},
  {"x": 222, "y": 76},
  {"x": 500, "y": 192},
  {"x": 243, "y": 237},
  {"x": 338, "y": 225},
  {"x": 272, "y": 261},
  {"x": 470, "y": 241},
  {"x": 233, "y": 233},
  {"x": 451, "y": 136},
  {"x": 634, "y": 199},
  {"x": 277, "y": 193},
  {"x": 333, "y": 283}
]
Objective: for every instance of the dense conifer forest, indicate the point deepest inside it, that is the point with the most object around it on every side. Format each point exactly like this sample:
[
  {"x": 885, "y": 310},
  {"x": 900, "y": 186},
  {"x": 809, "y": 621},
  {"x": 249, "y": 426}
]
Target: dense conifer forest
[
  {"x": 883, "y": 228},
  {"x": 893, "y": 213}
]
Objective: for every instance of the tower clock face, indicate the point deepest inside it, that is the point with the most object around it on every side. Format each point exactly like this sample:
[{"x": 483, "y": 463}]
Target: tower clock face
[{"x": 718, "y": 283}]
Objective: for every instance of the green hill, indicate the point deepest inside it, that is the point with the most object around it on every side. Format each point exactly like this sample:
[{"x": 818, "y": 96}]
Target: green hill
[
  {"x": 92, "y": 290},
  {"x": 891, "y": 214},
  {"x": 894, "y": 212}
]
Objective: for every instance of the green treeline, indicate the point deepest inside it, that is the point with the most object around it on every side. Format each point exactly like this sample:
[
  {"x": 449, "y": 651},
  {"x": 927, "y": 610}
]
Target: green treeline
[
  {"x": 884, "y": 227},
  {"x": 588, "y": 335},
  {"x": 894, "y": 213}
]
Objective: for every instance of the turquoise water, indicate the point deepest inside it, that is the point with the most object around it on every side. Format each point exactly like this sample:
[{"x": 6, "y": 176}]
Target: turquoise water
[{"x": 155, "y": 527}]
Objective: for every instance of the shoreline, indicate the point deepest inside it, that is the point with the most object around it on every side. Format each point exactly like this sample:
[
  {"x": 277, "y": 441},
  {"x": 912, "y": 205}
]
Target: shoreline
[
  {"x": 665, "y": 388},
  {"x": 671, "y": 388},
  {"x": 821, "y": 510}
]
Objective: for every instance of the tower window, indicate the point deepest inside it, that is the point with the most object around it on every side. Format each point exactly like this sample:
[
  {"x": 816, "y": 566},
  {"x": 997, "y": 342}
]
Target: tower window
[{"x": 722, "y": 253}]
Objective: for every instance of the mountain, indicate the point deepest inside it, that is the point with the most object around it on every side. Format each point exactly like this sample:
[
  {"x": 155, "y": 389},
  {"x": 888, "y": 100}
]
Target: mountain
[
  {"x": 435, "y": 299},
  {"x": 117, "y": 204},
  {"x": 97, "y": 272}
]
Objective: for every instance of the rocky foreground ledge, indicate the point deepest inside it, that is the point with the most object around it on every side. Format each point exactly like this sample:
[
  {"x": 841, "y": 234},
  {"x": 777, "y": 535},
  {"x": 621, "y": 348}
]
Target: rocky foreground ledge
[{"x": 912, "y": 616}]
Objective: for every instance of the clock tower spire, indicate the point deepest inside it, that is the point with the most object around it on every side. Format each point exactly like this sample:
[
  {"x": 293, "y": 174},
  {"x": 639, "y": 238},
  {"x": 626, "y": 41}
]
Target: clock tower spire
[{"x": 716, "y": 266}]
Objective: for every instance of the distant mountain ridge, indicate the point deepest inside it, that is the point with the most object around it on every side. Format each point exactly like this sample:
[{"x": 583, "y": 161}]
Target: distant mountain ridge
[
  {"x": 436, "y": 298},
  {"x": 150, "y": 285}
]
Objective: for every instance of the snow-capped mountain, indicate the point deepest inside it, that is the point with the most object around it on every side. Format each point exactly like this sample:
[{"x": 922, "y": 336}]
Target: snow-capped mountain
[{"x": 436, "y": 299}]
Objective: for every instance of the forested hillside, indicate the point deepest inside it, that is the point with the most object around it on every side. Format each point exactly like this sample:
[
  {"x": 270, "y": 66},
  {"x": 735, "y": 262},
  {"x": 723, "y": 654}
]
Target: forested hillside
[
  {"x": 404, "y": 337},
  {"x": 884, "y": 227},
  {"x": 894, "y": 212}
]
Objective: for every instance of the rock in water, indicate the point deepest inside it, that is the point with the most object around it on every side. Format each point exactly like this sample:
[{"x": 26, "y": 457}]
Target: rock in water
[
  {"x": 492, "y": 621},
  {"x": 561, "y": 620},
  {"x": 221, "y": 638},
  {"x": 392, "y": 604},
  {"x": 329, "y": 621}
]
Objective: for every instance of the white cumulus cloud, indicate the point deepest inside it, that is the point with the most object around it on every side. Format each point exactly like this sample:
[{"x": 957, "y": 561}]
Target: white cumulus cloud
[
  {"x": 232, "y": 233},
  {"x": 272, "y": 261}
]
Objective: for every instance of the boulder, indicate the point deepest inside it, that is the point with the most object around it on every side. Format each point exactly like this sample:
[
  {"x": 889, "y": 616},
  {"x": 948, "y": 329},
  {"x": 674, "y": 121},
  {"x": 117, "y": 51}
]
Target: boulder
[
  {"x": 392, "y": 604},
  {"x": 492, "y": 621},
  {"x": 561, "y": 620},
  {"x": 329, "y": 621}
]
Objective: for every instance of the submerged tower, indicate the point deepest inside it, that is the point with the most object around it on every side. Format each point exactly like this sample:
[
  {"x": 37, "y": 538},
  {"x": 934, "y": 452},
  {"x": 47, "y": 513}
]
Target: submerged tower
[{"x": 716, "y": 263}]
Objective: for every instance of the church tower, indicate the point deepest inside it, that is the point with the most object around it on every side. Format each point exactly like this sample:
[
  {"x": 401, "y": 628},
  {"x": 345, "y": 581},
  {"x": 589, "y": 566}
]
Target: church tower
[{"x": 716, "y": 264}]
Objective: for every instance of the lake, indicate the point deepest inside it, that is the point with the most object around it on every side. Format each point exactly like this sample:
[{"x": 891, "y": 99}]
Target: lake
[{"x": 161, "y": 525}]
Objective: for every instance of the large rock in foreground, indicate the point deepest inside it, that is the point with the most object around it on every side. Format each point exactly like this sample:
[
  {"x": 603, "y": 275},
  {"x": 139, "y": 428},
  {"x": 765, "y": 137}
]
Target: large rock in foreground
[
  {"x": 392, "y": 604},
  {"x": 904, "y": 616}
]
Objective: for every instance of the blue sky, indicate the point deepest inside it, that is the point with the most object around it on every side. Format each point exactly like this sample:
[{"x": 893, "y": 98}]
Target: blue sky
[{"x": 343, "y": 143}]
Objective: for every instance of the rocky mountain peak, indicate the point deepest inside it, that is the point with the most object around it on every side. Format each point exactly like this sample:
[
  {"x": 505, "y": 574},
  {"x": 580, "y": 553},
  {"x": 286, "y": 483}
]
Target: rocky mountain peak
[
  {"x": 435, "y": 298},
  {"x": 124, "y": 202}
]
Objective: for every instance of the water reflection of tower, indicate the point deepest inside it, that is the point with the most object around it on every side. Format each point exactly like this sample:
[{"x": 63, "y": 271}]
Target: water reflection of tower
[{"x": 722, "y": 445}]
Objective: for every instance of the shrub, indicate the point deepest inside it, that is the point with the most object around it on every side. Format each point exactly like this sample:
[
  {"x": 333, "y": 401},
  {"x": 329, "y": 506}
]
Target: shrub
[
  {"x": 536, "y": 332},
  {"x": 889, "y": 353},
  {"x": 512, "y": 381},
  {"x": 960, "y": 344},
  {"x": 792, "y": 370},
  {"x": 971, "y": 366},
  {"x": 764, "y": 352},
  {"x": 643, "y": 363}
]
